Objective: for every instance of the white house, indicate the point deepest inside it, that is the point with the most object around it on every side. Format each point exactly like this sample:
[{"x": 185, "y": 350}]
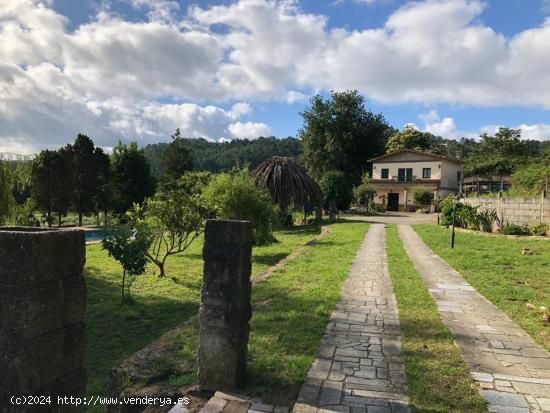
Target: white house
[{"x": 396, "y": 175}]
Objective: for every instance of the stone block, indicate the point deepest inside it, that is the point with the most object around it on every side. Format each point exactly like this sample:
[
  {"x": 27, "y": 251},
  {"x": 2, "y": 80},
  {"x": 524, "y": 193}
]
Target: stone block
[
  {"x": 42, "y": 311},
  {"x": 35, "y": 255},
  {"x": 225, "y": 308}
]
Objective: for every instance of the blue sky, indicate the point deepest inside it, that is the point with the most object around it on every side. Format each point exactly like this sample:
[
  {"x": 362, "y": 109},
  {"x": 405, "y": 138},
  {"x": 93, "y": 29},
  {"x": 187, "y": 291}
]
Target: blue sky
[{"x": 136, "y": 69}]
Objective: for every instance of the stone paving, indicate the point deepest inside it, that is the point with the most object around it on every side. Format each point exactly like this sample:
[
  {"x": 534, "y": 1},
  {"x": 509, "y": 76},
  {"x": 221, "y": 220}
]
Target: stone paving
[
  {"x": 359, "y": 368},
  {"x": 513, "y": 372}
]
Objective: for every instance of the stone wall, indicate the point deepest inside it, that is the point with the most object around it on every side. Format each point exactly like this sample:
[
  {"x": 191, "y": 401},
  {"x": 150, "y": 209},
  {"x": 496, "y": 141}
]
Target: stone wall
[
  {"x": 520, "y": 211},
  {"x": 42, "y": 313}
]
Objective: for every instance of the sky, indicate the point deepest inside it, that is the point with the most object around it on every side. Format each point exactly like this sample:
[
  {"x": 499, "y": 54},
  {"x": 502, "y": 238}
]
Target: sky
[{"x": 219, "y": 69}]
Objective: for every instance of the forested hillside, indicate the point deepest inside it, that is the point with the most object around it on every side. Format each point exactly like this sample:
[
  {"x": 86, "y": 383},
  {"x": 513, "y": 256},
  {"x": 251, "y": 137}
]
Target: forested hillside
[{"x": 222, "y": 156}]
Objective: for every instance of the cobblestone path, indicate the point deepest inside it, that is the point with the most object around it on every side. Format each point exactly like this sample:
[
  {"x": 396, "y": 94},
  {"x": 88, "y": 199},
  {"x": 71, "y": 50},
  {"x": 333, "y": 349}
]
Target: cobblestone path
[
  {"x": 513, "y": 371},
  {"x": 359, "y": 368}
]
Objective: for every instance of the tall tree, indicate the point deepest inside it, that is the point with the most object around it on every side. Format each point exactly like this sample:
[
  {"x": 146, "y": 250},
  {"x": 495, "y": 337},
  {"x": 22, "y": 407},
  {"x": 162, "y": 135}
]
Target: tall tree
[
  {"x": 84, "y": 174},
  {"x": 103, "y": 194},
  {"x": 412, "y": 138},
  {"x": 51, "y": 190},
  {"x": 498, "y": 155},
  {"x": 340, "y": 134},
  {"x": 177, "y": 159},
  {"x": 131, "y": 175}
]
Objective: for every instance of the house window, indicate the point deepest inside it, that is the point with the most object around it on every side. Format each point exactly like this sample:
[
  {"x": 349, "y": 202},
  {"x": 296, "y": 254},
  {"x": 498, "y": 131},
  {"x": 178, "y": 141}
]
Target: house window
[
  {"x": 426, "y": 173},
  {"x": 405, "y": 174},
  {"x": 385, "y": 173},
  {"x": 458, "y": 176}
]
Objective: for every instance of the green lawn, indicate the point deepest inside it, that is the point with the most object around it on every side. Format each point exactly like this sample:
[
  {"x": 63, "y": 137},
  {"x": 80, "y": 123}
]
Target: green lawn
[
  {"x": 115, "y": 331},
  {"x": 496, "y": 267},
  {"x": 291, "y": 310},
  {"x": 438, "y": 378}
]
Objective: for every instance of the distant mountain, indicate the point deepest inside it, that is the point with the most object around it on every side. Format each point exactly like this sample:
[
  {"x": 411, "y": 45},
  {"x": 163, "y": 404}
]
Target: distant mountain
[{"x": 223, "y": 156}]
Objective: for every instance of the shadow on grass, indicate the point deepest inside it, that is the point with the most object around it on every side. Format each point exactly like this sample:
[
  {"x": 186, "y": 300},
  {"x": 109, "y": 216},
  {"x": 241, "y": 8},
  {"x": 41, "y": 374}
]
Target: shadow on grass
[{"x": 116, "y": 330}]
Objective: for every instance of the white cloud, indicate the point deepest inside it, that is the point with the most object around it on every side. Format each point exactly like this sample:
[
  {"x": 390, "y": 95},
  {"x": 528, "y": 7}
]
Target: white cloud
[
  {"x": 249, "y": 130},
  {"x": 447, "y": 128},
  {"x": 107, "y": 76}
]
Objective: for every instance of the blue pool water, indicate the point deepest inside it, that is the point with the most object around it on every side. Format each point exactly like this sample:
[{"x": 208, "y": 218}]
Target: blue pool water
[{"x": 98, "y": 235}]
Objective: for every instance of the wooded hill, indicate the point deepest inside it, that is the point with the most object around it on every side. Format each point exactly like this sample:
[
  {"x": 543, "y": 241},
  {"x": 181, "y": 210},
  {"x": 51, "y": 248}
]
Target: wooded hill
[{"x": 223, "y": 156}]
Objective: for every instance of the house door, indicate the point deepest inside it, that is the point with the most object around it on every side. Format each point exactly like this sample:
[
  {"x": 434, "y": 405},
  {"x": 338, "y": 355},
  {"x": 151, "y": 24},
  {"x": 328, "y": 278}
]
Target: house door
[{"x": 393, "y": 201}]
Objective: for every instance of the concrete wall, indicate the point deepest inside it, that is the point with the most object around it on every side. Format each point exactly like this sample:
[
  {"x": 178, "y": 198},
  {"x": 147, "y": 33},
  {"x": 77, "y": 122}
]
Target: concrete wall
[
  {"x": 520, "y": 211},
  {"x": 42, "y": 313},
  {"x": 416, "y": 167},
  {"x": 448, "y": 175}
]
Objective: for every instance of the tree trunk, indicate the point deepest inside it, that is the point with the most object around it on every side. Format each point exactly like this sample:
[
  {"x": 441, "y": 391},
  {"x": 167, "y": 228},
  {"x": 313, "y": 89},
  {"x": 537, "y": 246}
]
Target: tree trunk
[
  {"x": 79, "y": 218},
  {"x": 123, "y": 285},
  {"x": 331, "y": 211},
  {"x": 319, "y": 213},
  {"x": 161, "y": 268},
  {"x": 59, "y": 219}
]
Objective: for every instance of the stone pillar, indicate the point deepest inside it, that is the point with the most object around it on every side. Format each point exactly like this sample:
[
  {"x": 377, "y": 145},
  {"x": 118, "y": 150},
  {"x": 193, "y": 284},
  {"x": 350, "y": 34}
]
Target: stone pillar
[
  {"x": 225, "y": 304},
  {"x": 42, "y": 314}
]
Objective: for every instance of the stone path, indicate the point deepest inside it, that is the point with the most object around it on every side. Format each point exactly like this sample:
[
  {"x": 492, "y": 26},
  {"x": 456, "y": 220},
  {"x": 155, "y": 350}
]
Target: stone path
[
  {"x": 513, "y": 371},
  {"x": 359, "y": 368}
]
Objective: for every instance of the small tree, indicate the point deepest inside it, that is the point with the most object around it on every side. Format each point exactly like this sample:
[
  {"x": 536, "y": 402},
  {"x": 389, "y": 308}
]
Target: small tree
[
  {"x": 130, "y": 252},
  {"x": 363, "y": 192},
  {"x": 422, "y": 196},
  {"x": 171, "y": 222}
]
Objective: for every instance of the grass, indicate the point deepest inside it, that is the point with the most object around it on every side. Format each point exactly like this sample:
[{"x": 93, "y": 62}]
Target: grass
[
  {"x": 438, "y": 378},
  {"x": 496, "y": 267},
  {"x": 290, "y": 312},
  {"x": 115, "y": 331}
]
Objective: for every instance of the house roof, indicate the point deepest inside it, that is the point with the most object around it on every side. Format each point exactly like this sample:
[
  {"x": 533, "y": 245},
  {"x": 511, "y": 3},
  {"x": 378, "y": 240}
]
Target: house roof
[{"x": 425, "y": 154}]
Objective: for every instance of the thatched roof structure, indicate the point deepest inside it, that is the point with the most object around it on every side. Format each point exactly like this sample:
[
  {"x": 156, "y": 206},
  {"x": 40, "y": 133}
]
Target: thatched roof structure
[{"x": 287, "y": 182}]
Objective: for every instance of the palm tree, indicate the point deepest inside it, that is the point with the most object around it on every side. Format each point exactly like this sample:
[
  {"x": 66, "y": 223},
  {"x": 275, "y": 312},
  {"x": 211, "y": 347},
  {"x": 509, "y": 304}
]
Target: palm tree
[{"x": 287, "y": 182}]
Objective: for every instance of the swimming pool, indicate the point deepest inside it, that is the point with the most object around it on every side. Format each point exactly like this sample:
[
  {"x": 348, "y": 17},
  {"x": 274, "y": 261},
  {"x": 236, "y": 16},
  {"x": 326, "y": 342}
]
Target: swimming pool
[{"x": 97, "y": 235}]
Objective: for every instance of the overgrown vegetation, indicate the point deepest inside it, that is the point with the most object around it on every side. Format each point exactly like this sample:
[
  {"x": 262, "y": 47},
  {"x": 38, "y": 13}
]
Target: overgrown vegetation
[
  {"x": 498, "y": 269},
  {"x": 438, "y": 378}
]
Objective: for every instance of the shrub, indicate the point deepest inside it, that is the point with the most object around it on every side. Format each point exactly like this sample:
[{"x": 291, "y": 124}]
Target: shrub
[
  {"x": 467, "y": 216},
  {"x": 422, "y": 196},
  {"x": 487, "y": 218},
  {"x": 235, "y": 196},
  {"x": 538, "y": 229},
  {"x": 513, "y": 229}
]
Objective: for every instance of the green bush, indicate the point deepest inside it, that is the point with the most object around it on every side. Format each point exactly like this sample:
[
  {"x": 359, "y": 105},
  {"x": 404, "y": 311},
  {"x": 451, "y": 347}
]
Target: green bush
[
  {"x": 538, "y": 229},
  {"x": 235, "y": 196},
  {"x": 422, "y": 196},
  {"x": 487, "y": 218},
  {"x": 513, "y": 229},
  {"x": 467, "y": 216}
]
